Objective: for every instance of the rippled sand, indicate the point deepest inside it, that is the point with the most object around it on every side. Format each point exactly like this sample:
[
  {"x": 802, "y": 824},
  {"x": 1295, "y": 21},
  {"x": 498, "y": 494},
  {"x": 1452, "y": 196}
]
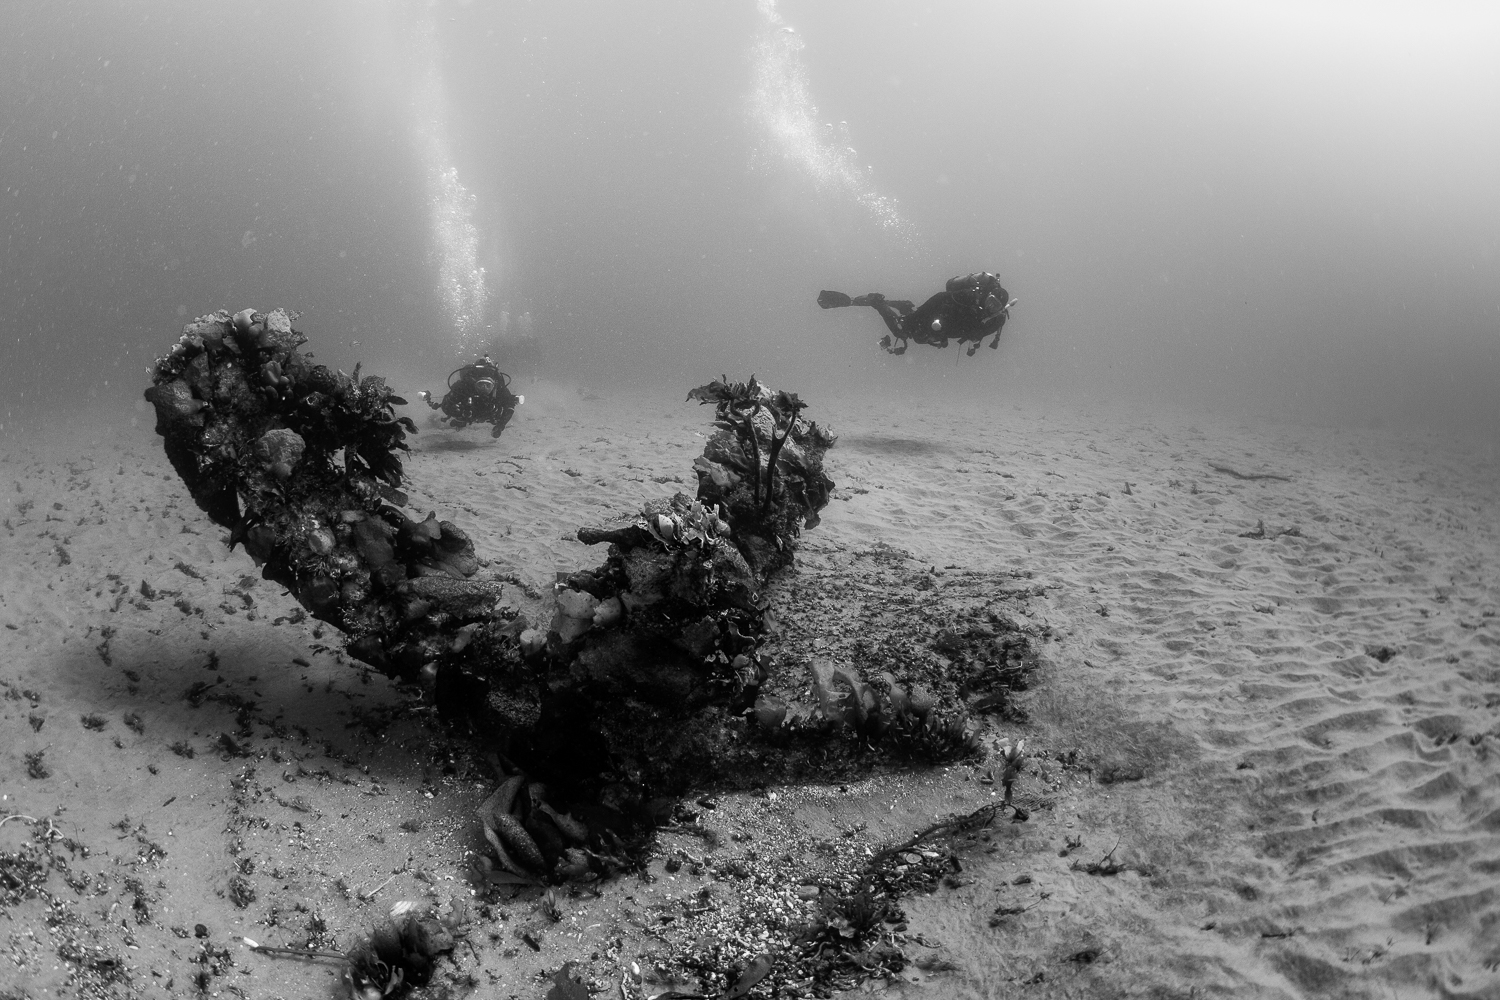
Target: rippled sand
[{"x": 1288, "y": 690}]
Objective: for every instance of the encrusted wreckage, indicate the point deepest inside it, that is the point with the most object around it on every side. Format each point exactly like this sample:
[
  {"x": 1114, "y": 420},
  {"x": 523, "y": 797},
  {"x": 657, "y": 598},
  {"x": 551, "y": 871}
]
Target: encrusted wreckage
[
  {"x": 687, "y": 575},
  {"x": 653, "y": 673},
  {"x": 301, "y": 463}
]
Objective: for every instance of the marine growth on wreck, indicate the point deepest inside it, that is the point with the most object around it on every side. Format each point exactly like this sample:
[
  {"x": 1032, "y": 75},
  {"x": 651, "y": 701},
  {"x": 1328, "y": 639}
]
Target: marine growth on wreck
[
  {"x": 302, "y": 464},
  {"x": 649, "y": 675}
]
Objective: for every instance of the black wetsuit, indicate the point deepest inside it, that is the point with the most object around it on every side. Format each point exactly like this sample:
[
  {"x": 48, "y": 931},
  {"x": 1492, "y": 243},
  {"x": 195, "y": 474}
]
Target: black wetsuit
[
  {"x": 478, "y": 394},
  {"x": 971, "y": 308}
]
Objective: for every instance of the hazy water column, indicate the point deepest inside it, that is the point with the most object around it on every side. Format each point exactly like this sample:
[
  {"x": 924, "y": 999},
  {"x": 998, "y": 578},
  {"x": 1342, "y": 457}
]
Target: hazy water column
[
  {"x": 462, "y": 284},
  {"x": 785, "y": 111}
]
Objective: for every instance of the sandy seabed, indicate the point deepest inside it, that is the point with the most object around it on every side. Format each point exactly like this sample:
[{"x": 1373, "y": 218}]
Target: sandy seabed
[{"x": 1281, "y": 697}]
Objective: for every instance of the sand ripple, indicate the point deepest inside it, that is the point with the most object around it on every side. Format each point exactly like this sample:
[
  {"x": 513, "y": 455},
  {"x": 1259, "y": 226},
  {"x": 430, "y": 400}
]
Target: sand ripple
[{"x": 1301, "y": 674}]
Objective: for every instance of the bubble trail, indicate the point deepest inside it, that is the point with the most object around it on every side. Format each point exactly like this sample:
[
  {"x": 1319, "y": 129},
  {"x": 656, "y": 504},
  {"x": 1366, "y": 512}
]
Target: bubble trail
[
  {"x": 462, "y": 283},
  {"x": 782, "y": 105}
]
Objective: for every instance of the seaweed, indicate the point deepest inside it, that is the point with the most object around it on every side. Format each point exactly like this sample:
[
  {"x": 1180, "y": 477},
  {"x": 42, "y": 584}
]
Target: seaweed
[
  {"x": 399, "y": 952},
  {"x": 769, "y": 502},
  {"x": 631, "y": 693},
  {"x": 302, "y": 464}
]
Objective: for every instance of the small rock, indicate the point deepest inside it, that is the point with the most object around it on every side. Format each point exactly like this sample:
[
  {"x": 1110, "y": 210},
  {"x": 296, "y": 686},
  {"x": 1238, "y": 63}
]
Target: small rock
[
  {"x": 280, "y": 450},
  {"x": 577, "y": 604},
  {"x": 532, "y": 642}
]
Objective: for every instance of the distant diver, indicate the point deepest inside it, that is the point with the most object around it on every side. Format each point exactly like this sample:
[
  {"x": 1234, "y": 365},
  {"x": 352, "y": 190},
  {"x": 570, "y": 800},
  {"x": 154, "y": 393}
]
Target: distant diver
[
  {"x": 971, "y": 308},
  {"x": 478, "y": 393}
]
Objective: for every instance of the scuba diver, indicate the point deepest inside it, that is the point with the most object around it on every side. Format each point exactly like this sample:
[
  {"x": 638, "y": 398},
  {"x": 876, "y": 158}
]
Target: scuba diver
[
  {"x": 971, "y": 308},
  {"x": 478, "y": 393}
]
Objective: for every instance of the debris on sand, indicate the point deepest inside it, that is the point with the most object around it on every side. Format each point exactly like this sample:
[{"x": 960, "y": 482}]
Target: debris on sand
[
  {"x": 400, "y": 952},
  {"x": 847, "y": 927},
  {"x": 1260, "y": 532},
  {"x": 1229, "y": 471},
  {"x": 94, "y": 962},
  {"x": 1014, "y": 759}
]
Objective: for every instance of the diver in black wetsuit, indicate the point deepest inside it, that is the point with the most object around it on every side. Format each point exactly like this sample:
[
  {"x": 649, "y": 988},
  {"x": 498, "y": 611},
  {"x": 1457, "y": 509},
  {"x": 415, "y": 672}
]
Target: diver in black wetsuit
[
  {"x": 971, "y": 308},
  {"x": 478, "y": 393}
]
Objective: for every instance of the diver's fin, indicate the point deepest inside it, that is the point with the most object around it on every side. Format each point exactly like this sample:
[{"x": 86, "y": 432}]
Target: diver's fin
[{"x": 833, "y": 300}]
